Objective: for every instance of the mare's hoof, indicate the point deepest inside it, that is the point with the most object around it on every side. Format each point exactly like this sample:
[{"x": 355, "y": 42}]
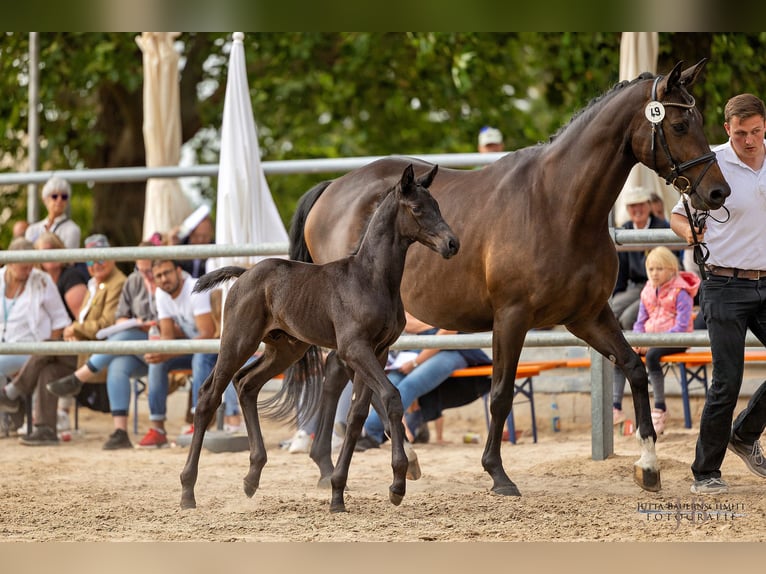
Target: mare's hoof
[
  {"x": 324, "y": 483},
  {"x": 647, "y": 478},
  {"x": 249, "y": 488},
  {"x": 395, "y": 497},
  {"x": 337, "y": 508},
  {"x": 188, "y": 503},
  {"x": 506, "y": 490},
  {"x": 413, "y": 466}
]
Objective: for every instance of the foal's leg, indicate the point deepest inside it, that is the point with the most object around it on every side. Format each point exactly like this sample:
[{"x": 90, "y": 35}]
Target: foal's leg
[
  {"x": 360, "y": 406},
  {"x": 207, "y": 403},
  {"x": 249, "y": 381},
  {"x": 336, "y": 378},
  {"x": 605, "y": 335},
  {"x": 369, "y": 370}
]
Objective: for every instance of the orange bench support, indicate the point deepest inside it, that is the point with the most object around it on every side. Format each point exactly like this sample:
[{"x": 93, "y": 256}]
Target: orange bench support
[{"x": 524, "y": 371}]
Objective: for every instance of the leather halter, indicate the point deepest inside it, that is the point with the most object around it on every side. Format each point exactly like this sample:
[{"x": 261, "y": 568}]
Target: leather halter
[{"x": 682, "y": 183}]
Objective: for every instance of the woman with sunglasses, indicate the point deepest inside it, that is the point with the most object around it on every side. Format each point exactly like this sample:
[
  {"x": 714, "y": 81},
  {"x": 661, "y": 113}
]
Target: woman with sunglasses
[{"x": 56, "y": 194}]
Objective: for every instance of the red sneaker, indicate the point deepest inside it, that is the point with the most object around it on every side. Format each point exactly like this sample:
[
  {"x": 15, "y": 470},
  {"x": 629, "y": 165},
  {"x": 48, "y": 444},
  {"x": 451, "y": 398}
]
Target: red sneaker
[{"x": 154, "y": 439}]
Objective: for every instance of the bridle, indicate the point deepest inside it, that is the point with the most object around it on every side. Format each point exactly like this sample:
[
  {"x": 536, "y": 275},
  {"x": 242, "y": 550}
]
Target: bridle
[{"x": 676, "y": 177}]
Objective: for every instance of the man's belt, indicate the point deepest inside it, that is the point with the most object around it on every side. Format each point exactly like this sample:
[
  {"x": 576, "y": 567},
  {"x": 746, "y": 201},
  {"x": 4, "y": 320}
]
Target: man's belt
[{"x": 753, "y": 274}]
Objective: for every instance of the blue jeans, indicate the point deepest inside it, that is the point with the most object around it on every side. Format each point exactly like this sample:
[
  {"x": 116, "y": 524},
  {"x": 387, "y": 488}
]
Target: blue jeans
[
  {"x": 420, "y": 381},
  {"x": 201, "y": 365},
  {"x": 730, "y": 306},
  {"x": 120, "y": 370},
  {"x": 200, "y": 373}
]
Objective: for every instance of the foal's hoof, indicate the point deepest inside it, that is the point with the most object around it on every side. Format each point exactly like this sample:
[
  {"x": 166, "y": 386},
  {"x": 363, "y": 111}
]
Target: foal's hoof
[
  {"x": 324, "y": 483},
  {"x": 413, "y": 466},
  {"x": 395, "y": 497},
  {"x": 647, "y": 478},
  {"x": 337, "y": 508},
  {"x": 506, "y": 490},
  {"x": 250, "y": 488},
  {"x": 188, "y": 503}
]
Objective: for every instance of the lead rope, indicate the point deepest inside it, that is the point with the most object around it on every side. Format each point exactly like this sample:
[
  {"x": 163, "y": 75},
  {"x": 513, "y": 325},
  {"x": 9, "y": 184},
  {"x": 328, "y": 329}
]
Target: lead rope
[{"x": 701, "y": 252}]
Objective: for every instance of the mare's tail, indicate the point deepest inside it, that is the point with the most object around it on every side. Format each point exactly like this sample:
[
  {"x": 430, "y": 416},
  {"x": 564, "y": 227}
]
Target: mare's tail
[
  {"x": 301, "y": 392},
  {"x": 298, "y": 250},
  {"x": 210, "y": 280}
]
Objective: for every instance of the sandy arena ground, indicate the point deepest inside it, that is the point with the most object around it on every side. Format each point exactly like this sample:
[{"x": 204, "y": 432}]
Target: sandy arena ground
[{"x": 78, "y": 492}]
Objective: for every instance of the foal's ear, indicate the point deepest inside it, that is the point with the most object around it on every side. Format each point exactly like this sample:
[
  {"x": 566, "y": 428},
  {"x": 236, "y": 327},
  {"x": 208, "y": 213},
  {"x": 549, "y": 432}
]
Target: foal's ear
[
  {"x": 408, "y": 177},
  {"x": 428, "y": 179}
]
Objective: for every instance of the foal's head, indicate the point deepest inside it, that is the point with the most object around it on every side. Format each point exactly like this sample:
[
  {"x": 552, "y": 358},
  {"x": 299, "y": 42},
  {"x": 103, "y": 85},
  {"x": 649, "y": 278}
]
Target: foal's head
[{"x": 419, "y": 216}]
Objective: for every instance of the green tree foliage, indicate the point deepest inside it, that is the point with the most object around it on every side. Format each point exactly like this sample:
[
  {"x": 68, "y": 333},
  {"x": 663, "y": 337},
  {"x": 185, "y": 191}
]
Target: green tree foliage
[{"x": 325, "y": 95}]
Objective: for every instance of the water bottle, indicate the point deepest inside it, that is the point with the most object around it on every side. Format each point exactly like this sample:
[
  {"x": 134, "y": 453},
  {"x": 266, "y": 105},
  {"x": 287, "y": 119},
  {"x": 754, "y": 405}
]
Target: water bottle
[
  {"x": 555, "y": 417},
  {"x": 154, "y": 333}
]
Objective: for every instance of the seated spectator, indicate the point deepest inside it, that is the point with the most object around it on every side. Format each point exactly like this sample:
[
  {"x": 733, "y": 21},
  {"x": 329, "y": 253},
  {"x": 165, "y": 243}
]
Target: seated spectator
[
  {"x": 56, "y": 195},
  {"x": 32, "y": 311},
  {"x": 665, "y": 307},
  {"x": 197, "y": 229},
  {"x": 631, "y": 274},
  {"x": 136, "y": 305},
  {"x": 73, "y": 286},
  {"x": 423, "y": 373},
  {"x": 658, "y": 206},
  {"x": 97, "y": 312},
  {"x": 181, "y": 315}
]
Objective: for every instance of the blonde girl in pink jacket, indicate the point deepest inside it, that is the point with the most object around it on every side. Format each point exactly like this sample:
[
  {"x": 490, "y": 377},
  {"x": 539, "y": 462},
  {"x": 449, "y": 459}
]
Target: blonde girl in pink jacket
[{"x": 666, "y": 307}]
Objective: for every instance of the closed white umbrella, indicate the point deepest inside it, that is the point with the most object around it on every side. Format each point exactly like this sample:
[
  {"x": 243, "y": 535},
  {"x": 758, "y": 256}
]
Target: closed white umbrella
[
  {"x": 245, "y": 210},
  {"x": 638, "y": 53},
  {"x": 166, "y": 204}
]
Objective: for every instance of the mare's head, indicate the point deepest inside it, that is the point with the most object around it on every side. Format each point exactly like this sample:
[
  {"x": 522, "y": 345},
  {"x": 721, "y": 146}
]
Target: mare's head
[
  {"x": 419, "y": 217},
  {"x": 667, "y": 136}
]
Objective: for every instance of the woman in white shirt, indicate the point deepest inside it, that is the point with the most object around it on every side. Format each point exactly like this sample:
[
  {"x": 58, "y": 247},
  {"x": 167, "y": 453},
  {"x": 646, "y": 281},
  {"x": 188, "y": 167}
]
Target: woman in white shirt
[{"x": 32, "y": 309}]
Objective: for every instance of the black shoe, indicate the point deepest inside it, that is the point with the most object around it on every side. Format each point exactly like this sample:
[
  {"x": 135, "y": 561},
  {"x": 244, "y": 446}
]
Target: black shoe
[
  {"x": 365, "y": 443},
  {"x": 117, "y": 440},
  {"x": 41, "y": 436},
  {"x": 68, "y": 386},
  {"x": 422, "y": 434},
  {"x": 8, "y": 405}
]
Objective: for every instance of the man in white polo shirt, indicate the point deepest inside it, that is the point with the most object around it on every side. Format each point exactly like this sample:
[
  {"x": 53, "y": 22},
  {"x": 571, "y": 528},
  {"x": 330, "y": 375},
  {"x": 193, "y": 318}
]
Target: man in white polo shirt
[
  {"x": 181, "y": 315},
  {"x": 733, "y": 297}
]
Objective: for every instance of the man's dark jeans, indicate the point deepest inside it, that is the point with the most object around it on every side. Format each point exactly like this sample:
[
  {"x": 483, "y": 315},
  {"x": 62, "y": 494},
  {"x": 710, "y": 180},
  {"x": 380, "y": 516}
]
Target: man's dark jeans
[{"x": 730, "y": 306}]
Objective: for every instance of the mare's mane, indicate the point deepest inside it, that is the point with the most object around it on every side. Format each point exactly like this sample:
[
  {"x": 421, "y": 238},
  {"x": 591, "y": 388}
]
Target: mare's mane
[{"x": 588, "y": 111}]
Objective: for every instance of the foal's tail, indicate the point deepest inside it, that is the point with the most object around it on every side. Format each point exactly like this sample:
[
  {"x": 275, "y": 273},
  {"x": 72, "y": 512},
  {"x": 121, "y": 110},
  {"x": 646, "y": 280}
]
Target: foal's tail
[
  {"x": 298, "y": 250},
  {"x": 210, "y": 280},
  {"x": 301, "y": 392}
]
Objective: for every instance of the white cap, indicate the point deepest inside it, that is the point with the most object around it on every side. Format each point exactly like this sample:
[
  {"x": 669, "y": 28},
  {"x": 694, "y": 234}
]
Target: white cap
[
  {"x": 488, "y": 135},
  {"x": 191, "y": 222},
  {"x": 636, "y": 195}
]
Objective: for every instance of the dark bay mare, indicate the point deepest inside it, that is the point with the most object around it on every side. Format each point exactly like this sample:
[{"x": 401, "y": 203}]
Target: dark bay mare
[
  {"x": 536, "y": 249},
  {"x": 351, "y": 304}
]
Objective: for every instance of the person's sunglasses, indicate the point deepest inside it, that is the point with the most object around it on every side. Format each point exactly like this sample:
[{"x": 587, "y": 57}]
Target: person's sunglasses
[
  {"x": 92, "y": 263},
  {"x": 63, "y": 196}
]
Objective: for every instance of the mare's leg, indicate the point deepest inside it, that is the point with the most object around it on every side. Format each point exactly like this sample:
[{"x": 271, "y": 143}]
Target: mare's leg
[
  {"x": 249, "y": 381},
  {"x": 360, "y": 406},
  {"x": 604, "y": 334},
  {"x": 507, "y": 340},
  {"x": 336, "y": 378}
]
